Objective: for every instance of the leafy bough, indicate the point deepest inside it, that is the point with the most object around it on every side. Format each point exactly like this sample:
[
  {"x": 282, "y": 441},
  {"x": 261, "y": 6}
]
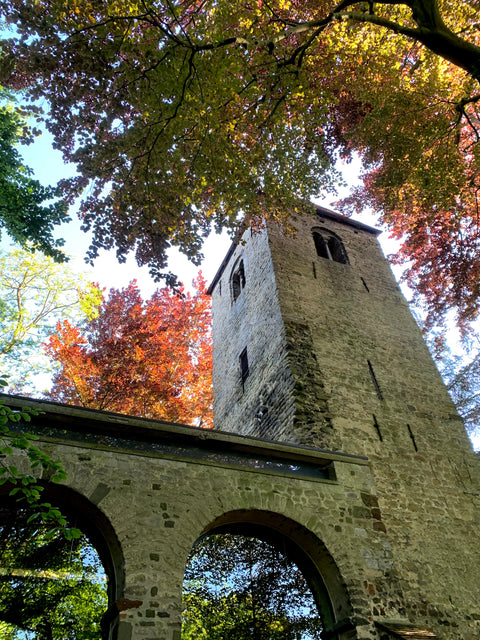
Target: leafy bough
[{"x": 26, "y": 487}]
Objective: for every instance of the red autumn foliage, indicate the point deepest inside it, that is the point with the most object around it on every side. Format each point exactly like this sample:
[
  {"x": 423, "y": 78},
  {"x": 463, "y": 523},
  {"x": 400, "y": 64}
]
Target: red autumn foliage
[{"x": 149, "y": 358}]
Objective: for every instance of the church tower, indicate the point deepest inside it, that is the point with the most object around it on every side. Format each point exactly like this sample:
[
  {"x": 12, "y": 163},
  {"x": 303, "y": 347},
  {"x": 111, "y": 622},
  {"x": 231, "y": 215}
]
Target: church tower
[{"x": 314, "y": 345}]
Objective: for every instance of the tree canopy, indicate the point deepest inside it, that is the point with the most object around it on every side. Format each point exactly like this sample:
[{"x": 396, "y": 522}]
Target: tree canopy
[
  {"x": 51, "y": 588},
  {"x": 35, "y": 293},
  {"x": 245, "y": 588},
  {"x": 150, "y": 358},
  {"x": 29, "y": 211},
  {"x": 461, "y": 375},
  {"x": 183, "y": 115}
]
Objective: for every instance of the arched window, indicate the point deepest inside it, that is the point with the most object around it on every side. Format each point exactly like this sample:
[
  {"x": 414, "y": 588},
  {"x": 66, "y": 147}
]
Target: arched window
[
  {"x": 328, "y": 245},
  {"x": 237, "y": 280}
]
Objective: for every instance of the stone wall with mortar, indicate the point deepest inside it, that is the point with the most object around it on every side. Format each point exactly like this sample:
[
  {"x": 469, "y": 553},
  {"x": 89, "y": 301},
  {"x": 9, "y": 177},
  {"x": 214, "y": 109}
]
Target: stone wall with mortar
[
  {"x": 158, "y": 504},
  {"x": 364, "y": 383},
  {"x": 263, "y": 405}
]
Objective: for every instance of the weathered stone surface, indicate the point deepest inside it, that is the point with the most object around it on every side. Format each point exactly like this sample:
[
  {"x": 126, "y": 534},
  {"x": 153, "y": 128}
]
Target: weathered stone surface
[
  {"x": 148, "y": 489},
  {"x": 351, "y": 365}
]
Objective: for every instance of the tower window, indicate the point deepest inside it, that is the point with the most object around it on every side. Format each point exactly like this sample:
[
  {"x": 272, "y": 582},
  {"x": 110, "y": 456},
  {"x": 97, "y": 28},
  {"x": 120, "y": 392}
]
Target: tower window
[
  {"x": 237, "y": 280},
  {"x": 244, "y": 370},
  {"x": 328, "y": 245}
]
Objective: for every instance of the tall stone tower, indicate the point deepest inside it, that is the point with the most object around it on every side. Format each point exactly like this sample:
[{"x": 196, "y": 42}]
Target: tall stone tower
[{"x": 314, "y": 345}]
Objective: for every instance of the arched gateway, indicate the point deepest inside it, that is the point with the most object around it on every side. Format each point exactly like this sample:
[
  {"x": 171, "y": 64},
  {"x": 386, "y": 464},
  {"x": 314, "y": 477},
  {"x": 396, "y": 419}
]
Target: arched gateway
[
  {"x": 335, "y": 438},
  {"x": 308, "y": 553}
]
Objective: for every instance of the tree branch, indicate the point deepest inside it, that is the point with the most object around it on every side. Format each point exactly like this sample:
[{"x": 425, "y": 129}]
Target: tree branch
[{"x": 432, "y": 32}]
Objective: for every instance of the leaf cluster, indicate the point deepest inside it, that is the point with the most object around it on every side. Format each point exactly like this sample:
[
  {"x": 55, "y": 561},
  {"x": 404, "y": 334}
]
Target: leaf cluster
[
  {"x": 461, "y": 375},
  {"x": 26, "y": 486},
  {"x": 29, "y": 211},
  {"x": 185, "y": 116},
  {"x": 50, "y": 586},
  {"x": 35, "y": 292}
]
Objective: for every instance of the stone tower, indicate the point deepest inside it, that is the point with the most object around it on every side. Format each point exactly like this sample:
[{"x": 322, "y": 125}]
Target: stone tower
[{"x": 314, "y": 345}]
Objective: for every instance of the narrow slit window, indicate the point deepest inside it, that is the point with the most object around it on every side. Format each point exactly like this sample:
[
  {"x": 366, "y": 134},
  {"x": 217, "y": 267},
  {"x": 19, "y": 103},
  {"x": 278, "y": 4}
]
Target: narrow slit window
[
  {"x": 329, "y": 246},
  {"x": 412, "y": 437},
  {"x": 374, "y": 380},
  {"x": 365, "y": 285},
  {"x": 377, "y": 428},
  {"x": 244, "y": 370}
]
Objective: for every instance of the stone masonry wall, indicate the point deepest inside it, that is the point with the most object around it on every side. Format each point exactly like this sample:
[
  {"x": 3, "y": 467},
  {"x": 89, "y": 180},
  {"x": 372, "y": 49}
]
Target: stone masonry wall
[
  {"x": 386, "y": 400},
  {"x": 263, "y": 406},
  {"x": 159, "y": 507}
]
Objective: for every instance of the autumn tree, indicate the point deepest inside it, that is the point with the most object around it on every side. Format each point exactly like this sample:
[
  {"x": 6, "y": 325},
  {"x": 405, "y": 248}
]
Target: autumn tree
[
  {"x": 180, "y": 116},
  {"x": 35, "y": 293},
  {"x": 150, "y": 358},
  {"x": 29, "y": 211}
]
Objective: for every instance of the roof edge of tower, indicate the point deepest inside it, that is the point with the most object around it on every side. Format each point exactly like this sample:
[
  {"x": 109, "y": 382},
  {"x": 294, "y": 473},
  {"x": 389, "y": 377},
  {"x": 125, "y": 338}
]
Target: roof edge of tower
[
  {"x": 328, "y": 213},
  {"x": 221, "y": 268},
  {"x": 333, "y": 215}
]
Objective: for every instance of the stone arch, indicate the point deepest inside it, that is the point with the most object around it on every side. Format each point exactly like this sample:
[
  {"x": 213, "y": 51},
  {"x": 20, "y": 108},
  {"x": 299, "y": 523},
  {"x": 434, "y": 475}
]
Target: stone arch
[
  {"x": 87, "y": 517},
  {"x": 308, "y": 552}
]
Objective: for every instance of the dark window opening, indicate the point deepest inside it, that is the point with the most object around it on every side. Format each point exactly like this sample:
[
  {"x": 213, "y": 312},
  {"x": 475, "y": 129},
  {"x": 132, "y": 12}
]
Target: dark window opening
[
  {"x": 238, "y": 280},
  {"x": 320, "y": 245},
  {"x": 244, "y": 370},
  {"x": 374, "y": 380},
  {"x": 377, "y": 428},
  {"x": 329, "y": 246}
]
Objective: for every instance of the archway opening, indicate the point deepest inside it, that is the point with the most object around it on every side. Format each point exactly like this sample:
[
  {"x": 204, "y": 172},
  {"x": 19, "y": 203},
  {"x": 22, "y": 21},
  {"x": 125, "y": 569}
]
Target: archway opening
[
  {"x": 251, "y": 583},
  {"x": 51, "y": 587}
]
